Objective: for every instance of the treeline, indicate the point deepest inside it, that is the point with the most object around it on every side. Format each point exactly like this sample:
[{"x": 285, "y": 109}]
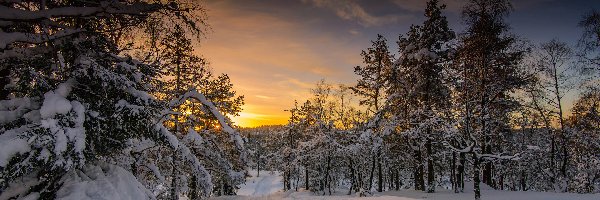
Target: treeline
[
  {"x": 97, "y": 96},
  {"x": 480, "y": 106}
]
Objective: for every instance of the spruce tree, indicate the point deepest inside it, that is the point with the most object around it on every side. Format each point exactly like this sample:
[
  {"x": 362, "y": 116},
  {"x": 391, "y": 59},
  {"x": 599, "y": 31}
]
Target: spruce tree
[
  {"x": 78, "y": 101},
  {"x": 183, "y": 72},
  {"x": 488, "y": 61},
  {"x": 424, "y": 53},
  {"x": 378, "y": 62},
  {"x": 371, "y": 87}
]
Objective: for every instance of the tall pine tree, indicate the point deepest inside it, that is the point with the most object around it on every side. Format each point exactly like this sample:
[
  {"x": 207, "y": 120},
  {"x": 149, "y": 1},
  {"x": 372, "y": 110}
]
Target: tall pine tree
[
  {"x": 424, "y": 54},
  {"x": 489, "y": 66}
]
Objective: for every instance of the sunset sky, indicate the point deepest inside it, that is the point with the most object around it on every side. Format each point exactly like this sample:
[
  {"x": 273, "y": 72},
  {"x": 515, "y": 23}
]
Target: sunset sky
[{"x": 276, "y": 50}]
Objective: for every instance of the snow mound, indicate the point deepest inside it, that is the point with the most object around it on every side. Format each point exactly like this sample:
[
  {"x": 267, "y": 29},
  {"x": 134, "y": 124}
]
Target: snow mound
[{"x": 102, "y": 182}]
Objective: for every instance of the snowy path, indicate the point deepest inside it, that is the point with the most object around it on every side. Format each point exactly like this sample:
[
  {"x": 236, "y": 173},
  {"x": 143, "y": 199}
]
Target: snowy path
[
  {"x": 269, "y": 186},
  {"x": 266, "y": 184}
]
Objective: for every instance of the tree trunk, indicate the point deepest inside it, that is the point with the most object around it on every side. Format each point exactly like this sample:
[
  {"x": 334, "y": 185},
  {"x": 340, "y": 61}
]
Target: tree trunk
[
  {"x": 484, "y": 106},
  {"x": 327, "y": 176},
  {"x": 379, "y": 176},
  {"x": 297, "y": 179},
  {"x": 352, "y": 177},
  {"x": 453, "y": 174},
  {"x": 397, "y": 180},
  {"x": 174, "y": 176},
  {"x": 371, "y": 174},
  {"x": 284, "y": 180},
  {"x": 390, "y": 179},
  {"x": 552, "y": 162},
  {"x": 476, "y": 179},
  {"x": 287, "y": 184},
  {"x": 306, "y": 178},
  {"x": 173, "y": 184},
  {"x": 193, "y": 186},
  {"x": 487, "y": 174},
  {"x": 360, "y": 179},
  {"x": 565, "y": 156},
  {"x": 461, "y": 172},
  {"x": 321, "y": 181},
  {"x": 523, "y": 180},
  {"x": 418, "y": 173},
  {"x": 430, "y": 169},
  {"x": 562, "y": 125},
  {"x": 501, "y": 182},
  {"x": 4, "y": 80},
  {"x": 487, "y": 167}
]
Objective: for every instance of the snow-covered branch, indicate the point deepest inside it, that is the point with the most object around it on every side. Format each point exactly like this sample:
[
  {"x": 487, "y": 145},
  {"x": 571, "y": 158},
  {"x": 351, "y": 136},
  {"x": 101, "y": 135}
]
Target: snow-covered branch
[
  {"x": 14, "y": 14},
  {"x": 13, "y": 109},
  {"x": 468, "y": 149},
  {"x": 471, "y": 149},
  {"x": 12, "y": 37},
  {"x": 193, "y": 94},
  {"x": 498, "y": 157}
]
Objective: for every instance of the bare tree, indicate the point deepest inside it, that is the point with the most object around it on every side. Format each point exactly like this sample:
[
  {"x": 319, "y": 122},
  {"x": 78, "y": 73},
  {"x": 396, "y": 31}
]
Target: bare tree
[{"x": 555, "y": 65}]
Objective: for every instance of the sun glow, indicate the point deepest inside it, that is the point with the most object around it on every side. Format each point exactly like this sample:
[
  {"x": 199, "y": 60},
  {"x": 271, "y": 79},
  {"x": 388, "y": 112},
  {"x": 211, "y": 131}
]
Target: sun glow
[{"x": 249, "y": 119}]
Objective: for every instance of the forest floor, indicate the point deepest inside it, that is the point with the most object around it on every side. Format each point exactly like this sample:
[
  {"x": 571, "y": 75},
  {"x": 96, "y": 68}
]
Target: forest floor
[{"x": 269, "y": 186}]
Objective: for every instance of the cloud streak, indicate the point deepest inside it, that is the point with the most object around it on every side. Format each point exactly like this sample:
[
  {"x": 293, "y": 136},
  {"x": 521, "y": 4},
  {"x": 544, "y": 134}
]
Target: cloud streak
[
  {"x": 454, "y": 6},
  {"x": 352, "y": 11}
]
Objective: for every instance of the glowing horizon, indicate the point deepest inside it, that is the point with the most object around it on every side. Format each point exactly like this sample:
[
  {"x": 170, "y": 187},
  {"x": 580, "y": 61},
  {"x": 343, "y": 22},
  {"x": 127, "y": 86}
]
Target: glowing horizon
[{"x": 275, "y": 51}]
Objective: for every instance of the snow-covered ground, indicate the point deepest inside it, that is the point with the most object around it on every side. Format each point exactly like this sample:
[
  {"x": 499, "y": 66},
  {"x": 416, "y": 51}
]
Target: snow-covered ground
[
  {"x": 269, "y": 186},
  {"x": 94, "y": 182}
]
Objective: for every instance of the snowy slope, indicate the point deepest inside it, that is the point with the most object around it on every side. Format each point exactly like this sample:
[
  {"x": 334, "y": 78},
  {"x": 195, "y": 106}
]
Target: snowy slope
[{"x": 269, "y": 186}]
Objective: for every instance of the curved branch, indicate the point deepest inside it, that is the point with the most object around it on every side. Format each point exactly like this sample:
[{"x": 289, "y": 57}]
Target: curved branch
[
  {"x": 14, "y": 14},
  {"x": 31, "y": 38}
]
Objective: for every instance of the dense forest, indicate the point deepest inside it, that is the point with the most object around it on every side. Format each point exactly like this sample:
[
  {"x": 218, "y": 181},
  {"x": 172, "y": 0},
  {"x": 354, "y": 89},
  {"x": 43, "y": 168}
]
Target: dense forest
[
  {"x": 481, "y": 106},
  {"x": 108, "y": 94},
  {"x": 106, "y": 99}
]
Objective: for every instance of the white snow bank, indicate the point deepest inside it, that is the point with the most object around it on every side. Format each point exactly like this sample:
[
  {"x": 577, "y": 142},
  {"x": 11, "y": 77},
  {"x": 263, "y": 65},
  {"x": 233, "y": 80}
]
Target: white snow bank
[{"x": 102, "y": 182}]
